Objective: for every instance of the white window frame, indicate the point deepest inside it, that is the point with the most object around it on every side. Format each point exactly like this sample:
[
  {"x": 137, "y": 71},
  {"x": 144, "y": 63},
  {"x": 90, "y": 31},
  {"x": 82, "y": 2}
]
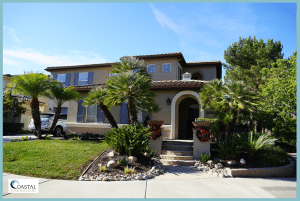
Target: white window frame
[
  {"x": 88, "y": 119},
  {"x": 87, "y": 78},
  {"x": 163, "y": 68},
  {"x": 148, "y": 68},
  {"x": 65, "y": 76},
  {"x": 112, "y": 74}
]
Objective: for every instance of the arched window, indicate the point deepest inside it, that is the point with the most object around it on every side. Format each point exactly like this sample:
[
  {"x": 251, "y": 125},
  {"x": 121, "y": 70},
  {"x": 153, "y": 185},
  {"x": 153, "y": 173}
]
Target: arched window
[{"x": 196, "y": 76}]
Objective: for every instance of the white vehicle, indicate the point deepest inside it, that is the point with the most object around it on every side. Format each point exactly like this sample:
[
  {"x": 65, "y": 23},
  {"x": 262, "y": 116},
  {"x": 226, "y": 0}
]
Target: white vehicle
[{"x": 46, "y": 122}]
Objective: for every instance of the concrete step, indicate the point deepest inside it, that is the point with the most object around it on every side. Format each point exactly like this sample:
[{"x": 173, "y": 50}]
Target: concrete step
[
  {"x": 178, "y": 162},
  {"x": 177, "y": 153},
  {"x": 178, "y": 142},
  {"x": 175, "y": 157},
  {"x": 177, "y": 147}
]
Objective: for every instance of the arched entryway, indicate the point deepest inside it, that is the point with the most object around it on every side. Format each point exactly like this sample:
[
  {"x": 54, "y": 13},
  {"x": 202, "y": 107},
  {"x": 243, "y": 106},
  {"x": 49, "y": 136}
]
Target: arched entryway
[
  {"x": 175, "y": 113},
  {"x": 188, "y": 112}
]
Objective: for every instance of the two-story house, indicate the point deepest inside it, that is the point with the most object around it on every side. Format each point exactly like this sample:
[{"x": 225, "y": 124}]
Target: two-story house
[{"x": 177, "y": 93}]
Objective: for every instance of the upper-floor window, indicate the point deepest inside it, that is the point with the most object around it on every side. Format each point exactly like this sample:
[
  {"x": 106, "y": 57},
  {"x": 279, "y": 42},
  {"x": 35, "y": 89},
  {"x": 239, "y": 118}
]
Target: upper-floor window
[
  {"x": 151, "y": 68},
  {"x": 179, "y": 73},
  {"x": 112, "y": 74},
  {"x": 61, "y": 77},
  {"x": 167, "y": 67},
  {"x": 64, "y": 78},
  {"x": 83, "y": 78}
]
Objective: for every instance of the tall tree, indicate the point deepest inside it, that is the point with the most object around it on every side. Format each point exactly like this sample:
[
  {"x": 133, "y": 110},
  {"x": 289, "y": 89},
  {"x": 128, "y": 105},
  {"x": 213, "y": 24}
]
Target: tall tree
[
  {"x": 34, "y": 85},
  {"x": 60, "y": 95},
  {"x": 279, "y": 95},
  {"x": 232, "y": 102},
  {"x": 247, "y": 57},
  {"x": 97, "y": 96},
  {"x": 131, "y": 85},
  {"x": 8, "y": 104}
]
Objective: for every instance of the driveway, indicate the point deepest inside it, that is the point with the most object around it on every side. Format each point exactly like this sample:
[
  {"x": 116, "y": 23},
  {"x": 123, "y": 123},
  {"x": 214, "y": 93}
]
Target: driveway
[{"x": 177, "y": 182}]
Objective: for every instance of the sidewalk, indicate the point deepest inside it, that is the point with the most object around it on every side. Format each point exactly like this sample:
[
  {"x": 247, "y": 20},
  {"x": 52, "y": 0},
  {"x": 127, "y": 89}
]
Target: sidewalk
[
  {"x": 177, "y": 182},
  {"x": 8, "y": 138}
]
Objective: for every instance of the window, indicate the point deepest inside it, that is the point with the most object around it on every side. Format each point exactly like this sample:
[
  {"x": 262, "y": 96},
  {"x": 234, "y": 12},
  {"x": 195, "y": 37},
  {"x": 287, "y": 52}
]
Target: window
[
  {"x": 83, "y": 78},
  {"x": 151, "y": 68},
  {"x": 166, "y": 67},
  {"x": 136, "y": 70},
  {"x": 112, "y": 74},
  {"x": 91, "y": 114},
  {"x": 61, "y": 77},
  {"x": 179, "y": 73}
]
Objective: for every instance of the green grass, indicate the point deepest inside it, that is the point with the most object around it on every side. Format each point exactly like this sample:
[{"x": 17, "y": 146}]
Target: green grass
[{"x": 51, "y": 159}]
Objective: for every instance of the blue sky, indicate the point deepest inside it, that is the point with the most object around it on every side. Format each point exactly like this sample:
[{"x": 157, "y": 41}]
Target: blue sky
[{"x": 40, "y": 35}]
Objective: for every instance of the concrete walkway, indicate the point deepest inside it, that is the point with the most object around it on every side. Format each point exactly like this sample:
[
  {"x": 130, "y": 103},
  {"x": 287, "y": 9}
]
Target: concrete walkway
[
  {"x": 177, "y": 182},
  {"x": 8, "y": 138}
]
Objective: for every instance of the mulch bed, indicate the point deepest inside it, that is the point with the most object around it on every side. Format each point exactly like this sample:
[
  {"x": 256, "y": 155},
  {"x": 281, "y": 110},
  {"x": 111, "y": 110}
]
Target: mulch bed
[
  {"x": 142, "y": 165},
  {"x": 251, "y": 161}
]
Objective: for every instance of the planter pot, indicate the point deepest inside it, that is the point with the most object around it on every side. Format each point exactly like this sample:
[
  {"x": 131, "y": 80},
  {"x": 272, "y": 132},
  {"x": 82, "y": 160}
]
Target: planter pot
[
  {"x": 201, "y": 123},
  {"x": 155, "y": 123}
]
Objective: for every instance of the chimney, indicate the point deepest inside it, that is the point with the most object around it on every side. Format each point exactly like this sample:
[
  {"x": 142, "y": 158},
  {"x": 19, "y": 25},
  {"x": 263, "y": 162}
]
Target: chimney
[{"x": 186, "y": 76}]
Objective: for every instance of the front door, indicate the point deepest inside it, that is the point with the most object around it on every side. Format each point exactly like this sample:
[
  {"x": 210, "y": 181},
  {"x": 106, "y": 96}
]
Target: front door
[{"x": 188, "y": 112}]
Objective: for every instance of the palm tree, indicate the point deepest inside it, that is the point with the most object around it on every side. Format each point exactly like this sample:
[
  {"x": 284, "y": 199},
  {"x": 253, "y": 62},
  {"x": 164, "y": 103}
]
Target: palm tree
[
  {"x": 97, "y": 96},
  {"x": 60, "y": 95},
  {"x": 232, "y": 102},
  {"x": 34, "y": 85},
  {"x": 131, "y": 85}
]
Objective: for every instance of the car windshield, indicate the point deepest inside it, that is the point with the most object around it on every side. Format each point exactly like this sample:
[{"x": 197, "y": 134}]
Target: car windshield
[{"x": 46, "y": 115}]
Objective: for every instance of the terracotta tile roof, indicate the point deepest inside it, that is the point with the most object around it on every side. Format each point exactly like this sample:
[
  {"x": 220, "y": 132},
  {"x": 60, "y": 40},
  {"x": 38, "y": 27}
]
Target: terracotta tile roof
[
  {"x": 178, "y": 55},
  {"x": 202, "y": 62},
  {"x": 166, "y": 84},
  {"x": 177, "y": 84},
  {"x": 81, "y": 66}
]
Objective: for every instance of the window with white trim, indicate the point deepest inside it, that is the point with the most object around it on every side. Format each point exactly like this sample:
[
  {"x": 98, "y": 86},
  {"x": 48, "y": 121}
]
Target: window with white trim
[
  {"x": 83, "y": 78},
  {"x": 167, "y": 67},
  {"x": 112, "y": 74},
  {"x": 91, "y": 113},
  {"x": 151, "y": 68},
  {"x": 61, "y": 77}
]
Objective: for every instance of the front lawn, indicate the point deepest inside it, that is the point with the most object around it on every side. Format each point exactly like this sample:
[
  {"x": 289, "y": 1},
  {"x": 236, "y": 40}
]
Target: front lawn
[{"x": 52, "y": 159}]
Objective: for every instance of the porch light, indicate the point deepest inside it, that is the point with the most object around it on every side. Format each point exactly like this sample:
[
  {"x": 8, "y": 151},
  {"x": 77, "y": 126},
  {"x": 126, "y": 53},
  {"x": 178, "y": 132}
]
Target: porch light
[{"x": 168, "y": 101}]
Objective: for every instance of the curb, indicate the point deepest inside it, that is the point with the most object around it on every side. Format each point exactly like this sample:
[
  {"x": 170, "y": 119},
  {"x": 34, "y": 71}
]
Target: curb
[{"x": 283, "y": 171}]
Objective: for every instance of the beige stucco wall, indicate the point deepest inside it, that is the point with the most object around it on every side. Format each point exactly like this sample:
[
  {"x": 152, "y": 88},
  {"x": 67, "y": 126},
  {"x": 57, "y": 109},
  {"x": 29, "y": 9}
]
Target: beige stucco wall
[
  {"x": 165, "y": 113},
  {"x": 208, "y": 72},
  {"x": 99, "y": 77},
  {"x": 159, "y": 74}
]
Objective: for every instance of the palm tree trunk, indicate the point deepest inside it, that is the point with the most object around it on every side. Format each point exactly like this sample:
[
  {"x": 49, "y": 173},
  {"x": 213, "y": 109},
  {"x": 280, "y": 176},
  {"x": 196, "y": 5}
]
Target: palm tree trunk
[
  {"x": 36, "y": 116},
  {"x": 132, "y": 111},
  {"x": 57, "y": 114},
  {"x": 108, "y": 115}
]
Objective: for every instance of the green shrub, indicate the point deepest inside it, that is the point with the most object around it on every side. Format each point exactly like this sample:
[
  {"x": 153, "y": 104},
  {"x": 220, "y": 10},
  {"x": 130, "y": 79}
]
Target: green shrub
[
  {"x": 150, "y": 152},
  {"x": 102, "y": 168},
  {"x": 128, "y": 170},
  {"x": 205, "y": 157},
  {"x": 83, "y": 136},
  {"x": 48, "y": 137},
  {"x": 25, "y": 138},
  {"x": 252, "y": 142},
  {"x": 129, "y": 139},
  {"x": 272, "y": 156},
  {"x": 7, "y": 128},
  {"x": 122, "y": 161},
  {"x": 229, "y": 150}
]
